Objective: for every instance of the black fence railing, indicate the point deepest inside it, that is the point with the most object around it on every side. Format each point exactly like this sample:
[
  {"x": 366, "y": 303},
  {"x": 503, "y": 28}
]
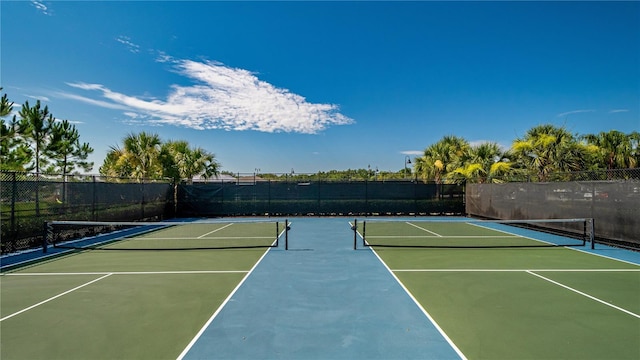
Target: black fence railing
[
  {"x": 29, "y": 199},
  {"x": 612, "y": 197},
  {"x": 632, "y": 174},
  {"x": 613, "y": 204},
  {"x": 321, "y": 198}
]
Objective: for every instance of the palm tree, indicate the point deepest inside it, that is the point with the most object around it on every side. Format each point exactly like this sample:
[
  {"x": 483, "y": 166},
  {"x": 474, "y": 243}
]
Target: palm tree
[
  {"x": 138, "y": 158},
  {"x": 615, "y": 149},
  {"x": 145, "y": 156},
  {"x": 546, "y": 149},
  {"x": 442, "y": 158},
  {"x": 634, "y": 137},
  {"x": 484, "y": 161},
  {"x": 182, "y": 162},
  {"x": 142, "y": 152},
  {"x": 115, "y": 164}
]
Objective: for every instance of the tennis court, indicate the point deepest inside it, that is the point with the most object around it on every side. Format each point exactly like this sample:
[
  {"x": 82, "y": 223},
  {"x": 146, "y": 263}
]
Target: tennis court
[
  {"x": 240, "y": 290},
  {"x": 509, "y": 292}
]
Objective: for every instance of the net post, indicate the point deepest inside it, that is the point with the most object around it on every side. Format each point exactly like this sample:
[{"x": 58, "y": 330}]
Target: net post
[
  {"x": 286, "y": 234},
  {"x": 364, "y": 233},
  {"x": 355, "y": 234},
  {"x": 277, "y": 232}
]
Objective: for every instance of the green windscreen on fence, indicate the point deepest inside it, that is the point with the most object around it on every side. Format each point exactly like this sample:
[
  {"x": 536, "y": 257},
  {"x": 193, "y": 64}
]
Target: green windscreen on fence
[
  {"x": 613, "y": 204},
  {"x": 30, "y": 199},
  {"x": 319, "y": 198}
]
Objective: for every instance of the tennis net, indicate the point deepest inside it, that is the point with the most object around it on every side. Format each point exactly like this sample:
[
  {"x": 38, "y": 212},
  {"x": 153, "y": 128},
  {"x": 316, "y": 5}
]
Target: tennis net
[
  {"x": 472, "y": 233},
  {"x": 203, "y": 234}
]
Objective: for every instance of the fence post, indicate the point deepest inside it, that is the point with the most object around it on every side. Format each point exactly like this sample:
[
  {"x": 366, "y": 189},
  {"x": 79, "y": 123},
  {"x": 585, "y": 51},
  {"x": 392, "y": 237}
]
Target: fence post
[
  {"x": 94, "y": 199},
  {"x": 269, "y": 199},
  {"x": 142, "y": 198},
  {"x": 592, "y": 230},
  {"x": 366, "y": 196},
  {"x": 415, "y": 198},
  {"x": 14, "y": 232},
  {"x": 38, "y": 194},
  {"x": 45, "y": 234}
]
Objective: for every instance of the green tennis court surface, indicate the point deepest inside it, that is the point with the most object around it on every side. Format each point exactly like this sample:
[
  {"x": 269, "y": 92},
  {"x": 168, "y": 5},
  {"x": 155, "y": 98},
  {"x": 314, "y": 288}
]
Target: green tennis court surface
[
  {"x": 493, "y": 303},
  {"x": 497, "y": 300}
]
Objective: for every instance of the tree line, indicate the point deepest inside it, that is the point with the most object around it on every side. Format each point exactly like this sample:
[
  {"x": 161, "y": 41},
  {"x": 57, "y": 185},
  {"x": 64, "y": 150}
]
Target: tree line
[
  {"x": 35, "y": 141},
  {"x": 544, "y": 150},
  {"x": 146, "y": 156}
]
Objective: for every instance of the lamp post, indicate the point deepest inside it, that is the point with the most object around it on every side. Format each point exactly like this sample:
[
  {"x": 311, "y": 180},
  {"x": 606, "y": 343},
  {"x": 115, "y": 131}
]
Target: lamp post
[
  {"x": 407, "y": 160},
  {"x": 255, "y": 171}
]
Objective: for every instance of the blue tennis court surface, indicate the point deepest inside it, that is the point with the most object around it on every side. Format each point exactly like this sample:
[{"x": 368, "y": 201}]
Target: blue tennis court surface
[{"x": 320, "y": 300}]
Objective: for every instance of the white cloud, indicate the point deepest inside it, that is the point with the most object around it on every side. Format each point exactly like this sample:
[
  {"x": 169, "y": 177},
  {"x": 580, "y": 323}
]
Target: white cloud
[
  {"x": 41, "y": 98},
  {"x": 222, "y": 98},
  {"x": 502, "y": 147},
  {"x": 162, "y": 57},
  {"x": 73, "y": 122},
  {"x": 474, "y": 143},
  {"x": 618, "y": 111},
  {"x": 564, "y": 114},
  {"x": 132, "y": 115},
  {"x": 90, "y": 101},
  {"x": 412, "y": 152},
  {"x": 40, "y": 6},
  {"x": 125, "y": 40}
]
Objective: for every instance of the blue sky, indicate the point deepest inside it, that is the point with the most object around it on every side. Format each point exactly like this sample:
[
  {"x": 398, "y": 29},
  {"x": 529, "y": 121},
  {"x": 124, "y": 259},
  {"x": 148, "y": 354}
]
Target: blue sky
[{"x": 315, "y": 86}]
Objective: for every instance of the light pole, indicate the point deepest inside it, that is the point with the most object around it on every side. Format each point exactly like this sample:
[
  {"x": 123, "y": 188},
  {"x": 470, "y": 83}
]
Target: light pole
[
  {"x": 256, "y": 170},
  {"x": 407, "y": 160}
]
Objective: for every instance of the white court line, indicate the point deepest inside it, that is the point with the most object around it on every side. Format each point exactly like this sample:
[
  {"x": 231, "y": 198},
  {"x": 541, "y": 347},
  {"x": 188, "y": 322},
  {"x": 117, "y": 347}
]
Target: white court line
[
  {"x": 132, "y": 273},
  {"x": 510, "y": 233},
  {"x": 584, "y": 294},
  {"x": 566, "y": 247},
  {"x": 447, "y": 236},
  {"x": 215, "y": 314},
  {"x": 415, "y": 301},
  {"x": 202, "y": 237},
  {"x": 54, "y": 297},
  {"x": 516, "y": 270},
  {"x": 211, "y": 232},
  {"x": 603, "y": 256},
  {"x": 421, "y": 228}
]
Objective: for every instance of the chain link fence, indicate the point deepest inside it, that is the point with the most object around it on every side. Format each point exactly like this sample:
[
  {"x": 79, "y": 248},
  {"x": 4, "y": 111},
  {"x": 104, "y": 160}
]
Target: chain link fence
[
  {"x": 587, "y": 175},
  {"x": 610, "y": 197},
  {"x": 29, "y": 199},
  {"x": 256, "y": 196}
]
